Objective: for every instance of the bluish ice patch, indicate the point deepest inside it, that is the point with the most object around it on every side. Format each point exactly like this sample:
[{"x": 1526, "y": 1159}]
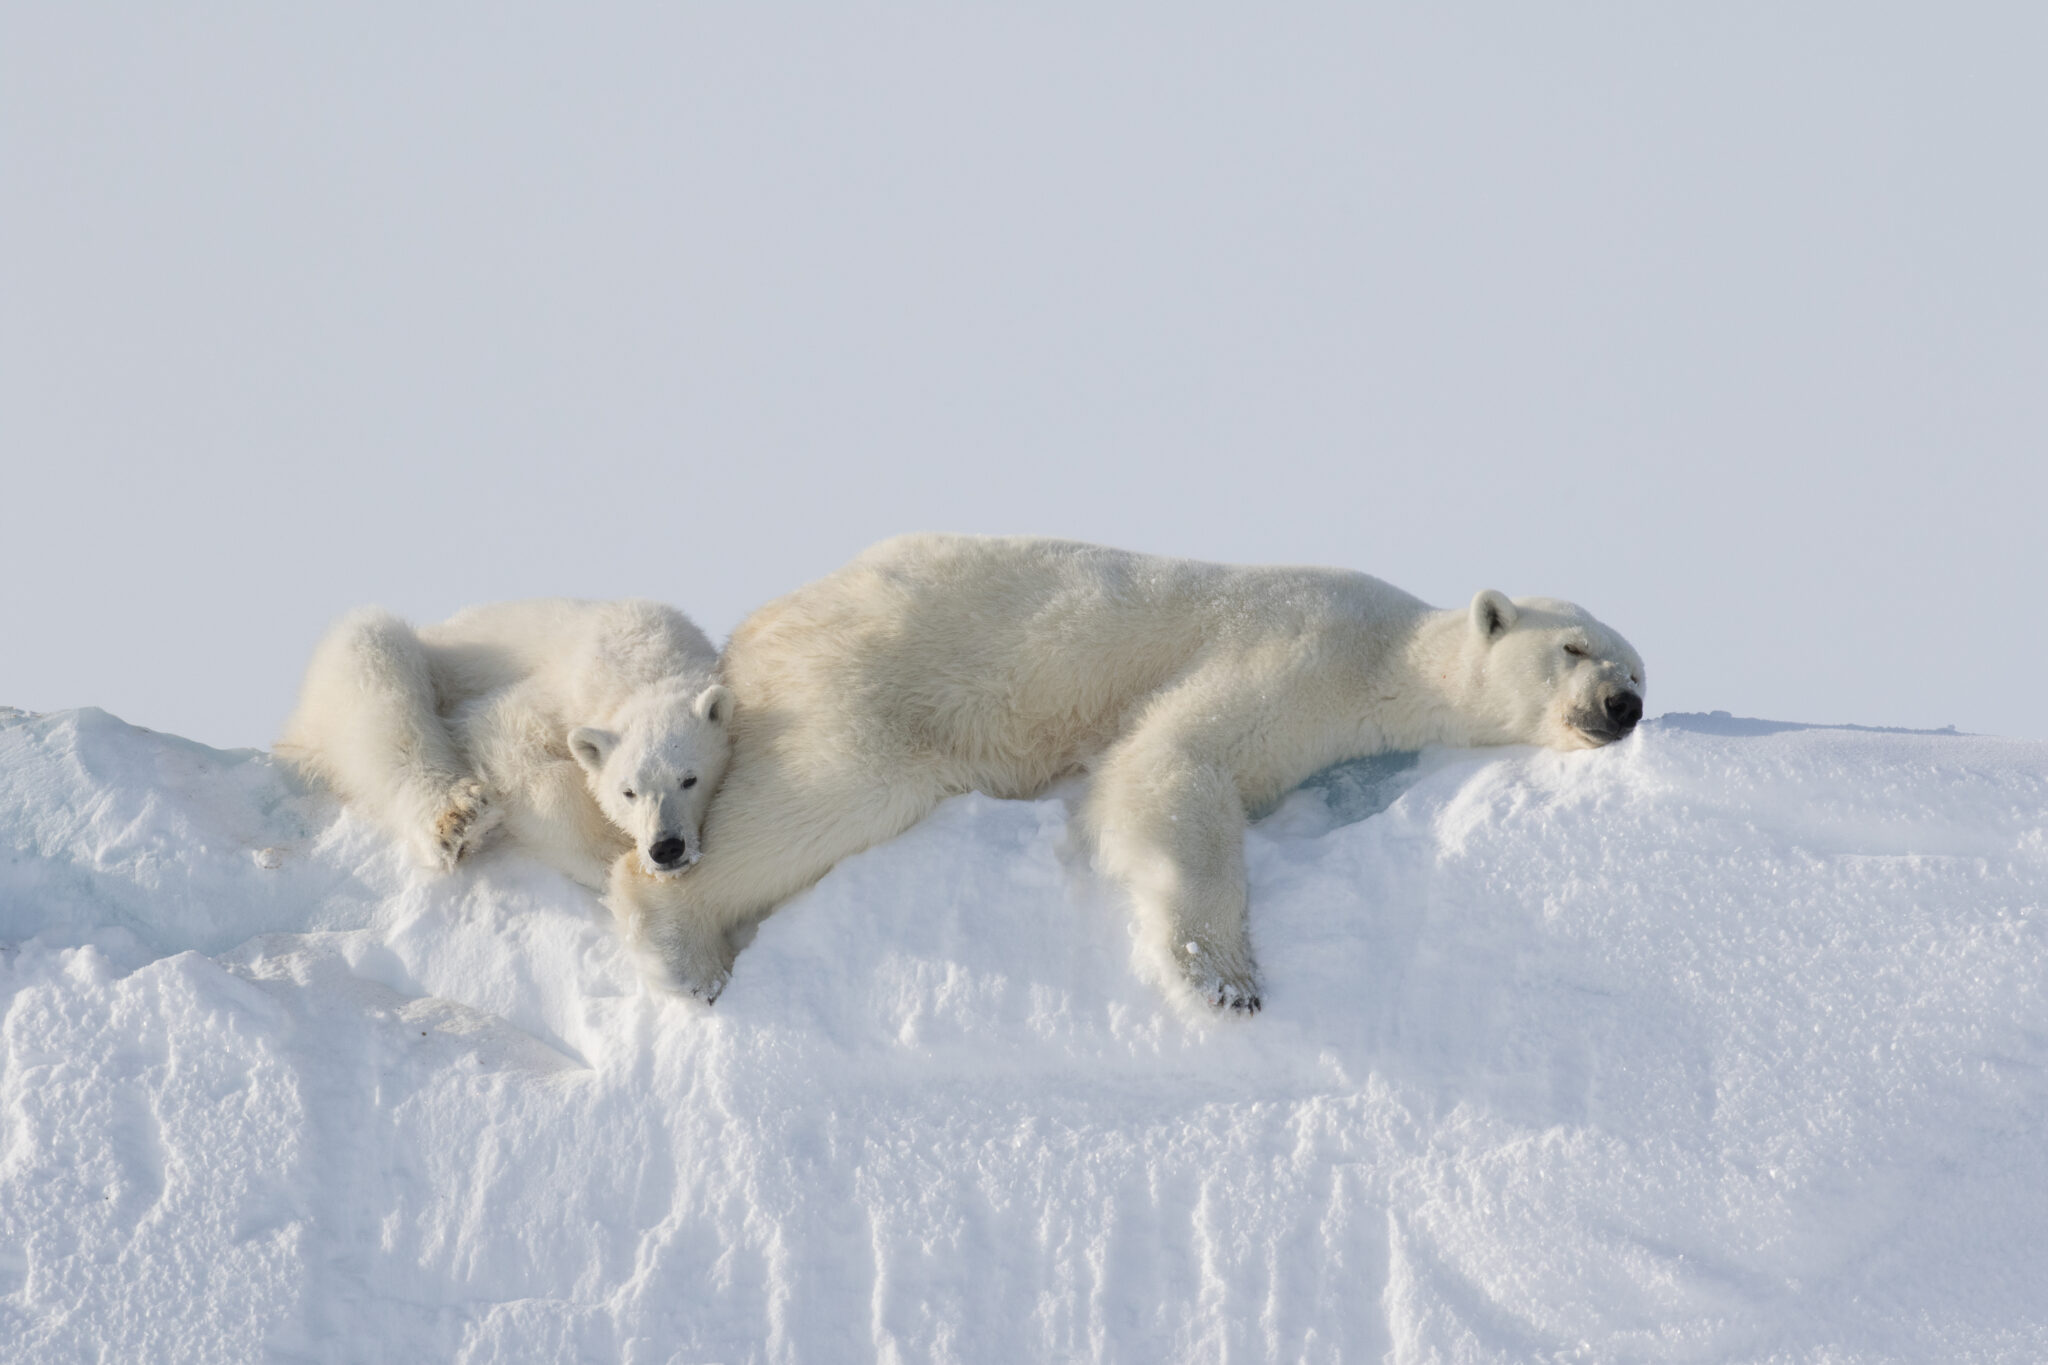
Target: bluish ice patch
[
  {"x": 1344, "y": 794},
  {"x": 1363, "y": 787}
]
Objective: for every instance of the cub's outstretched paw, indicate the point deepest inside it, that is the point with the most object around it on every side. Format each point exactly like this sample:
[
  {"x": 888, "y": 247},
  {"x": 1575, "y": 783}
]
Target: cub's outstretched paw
[
  {"x": 467, "y": 816},
  {"x": 1225, "y": 986}
]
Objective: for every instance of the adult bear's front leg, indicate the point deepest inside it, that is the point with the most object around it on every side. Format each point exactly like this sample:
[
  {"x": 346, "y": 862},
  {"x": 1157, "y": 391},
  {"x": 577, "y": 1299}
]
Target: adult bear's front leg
[{"x": 1168, "y": 823}]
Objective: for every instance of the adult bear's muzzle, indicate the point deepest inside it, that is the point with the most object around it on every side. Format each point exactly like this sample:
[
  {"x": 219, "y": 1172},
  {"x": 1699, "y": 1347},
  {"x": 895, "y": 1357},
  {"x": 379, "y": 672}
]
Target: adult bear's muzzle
[{"x": 1614, "y": 717}]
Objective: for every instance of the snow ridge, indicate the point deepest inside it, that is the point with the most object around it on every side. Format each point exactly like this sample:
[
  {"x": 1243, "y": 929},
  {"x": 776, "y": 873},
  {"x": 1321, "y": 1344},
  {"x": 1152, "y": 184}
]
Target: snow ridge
[{"x": 1729, "y": 1042}]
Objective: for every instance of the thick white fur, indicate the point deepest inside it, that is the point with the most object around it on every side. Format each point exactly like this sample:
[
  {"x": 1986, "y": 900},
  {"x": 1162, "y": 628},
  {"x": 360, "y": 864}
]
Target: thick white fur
[
  {"x": 535, "y": 716},
  {"x": 1189, "y": 692}
]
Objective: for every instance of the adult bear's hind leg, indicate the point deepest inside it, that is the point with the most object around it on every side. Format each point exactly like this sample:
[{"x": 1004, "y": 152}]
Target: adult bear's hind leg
[{"x": 774, "y": 827}]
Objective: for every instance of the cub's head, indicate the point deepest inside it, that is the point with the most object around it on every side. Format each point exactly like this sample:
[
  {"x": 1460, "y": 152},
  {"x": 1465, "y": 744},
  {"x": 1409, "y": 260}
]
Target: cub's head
[
  {"x": 1548, "y": 673},
  {"x": 654, "y": 775}
]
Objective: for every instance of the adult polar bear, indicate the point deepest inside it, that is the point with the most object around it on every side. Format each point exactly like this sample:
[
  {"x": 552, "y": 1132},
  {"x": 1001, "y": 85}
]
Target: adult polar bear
[
  {"x": 586, "y": 729},
  {"x": 1189, "y": 692}
]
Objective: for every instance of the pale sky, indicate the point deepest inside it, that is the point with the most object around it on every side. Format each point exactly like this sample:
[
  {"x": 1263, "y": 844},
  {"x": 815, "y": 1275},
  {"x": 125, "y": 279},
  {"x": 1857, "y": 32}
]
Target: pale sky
[{"x": 1729, "y": 322}]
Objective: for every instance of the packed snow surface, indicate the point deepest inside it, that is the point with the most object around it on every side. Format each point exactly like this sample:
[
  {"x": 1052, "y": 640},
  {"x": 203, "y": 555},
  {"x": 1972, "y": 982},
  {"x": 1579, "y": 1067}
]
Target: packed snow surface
[{"x": 1725, "y": 1043}]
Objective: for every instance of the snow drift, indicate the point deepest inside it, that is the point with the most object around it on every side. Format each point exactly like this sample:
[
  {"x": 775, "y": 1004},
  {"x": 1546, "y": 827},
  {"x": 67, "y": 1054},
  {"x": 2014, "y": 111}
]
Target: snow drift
[{"x": 1726, "y": 1043}]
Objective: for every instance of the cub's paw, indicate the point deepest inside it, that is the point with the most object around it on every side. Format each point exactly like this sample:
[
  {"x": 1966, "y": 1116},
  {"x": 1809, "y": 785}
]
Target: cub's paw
[
  {"x": 465, "y": 818},
  {"x": 1224, "y": 984}
]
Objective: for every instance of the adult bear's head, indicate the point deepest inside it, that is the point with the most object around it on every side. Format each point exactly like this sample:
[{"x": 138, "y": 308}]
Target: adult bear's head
[
  {"x": 1548, "y": 673},
  {"x": 654, "y": 775}
]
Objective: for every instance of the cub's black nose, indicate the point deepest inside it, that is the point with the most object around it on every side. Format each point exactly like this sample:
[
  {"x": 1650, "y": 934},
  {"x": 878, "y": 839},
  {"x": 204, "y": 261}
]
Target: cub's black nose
[
  {"x": 1624, "y": 709},
  {"x": 667, "y": 853}
]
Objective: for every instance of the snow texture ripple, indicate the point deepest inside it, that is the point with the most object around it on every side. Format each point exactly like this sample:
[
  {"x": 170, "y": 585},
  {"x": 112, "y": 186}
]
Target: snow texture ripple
[{"x": 1723, "y": 1044}]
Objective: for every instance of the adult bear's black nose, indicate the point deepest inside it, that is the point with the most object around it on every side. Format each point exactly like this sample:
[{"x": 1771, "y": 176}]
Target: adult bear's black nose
[
  {"x": 1624, "y": 709},
  {"x": 667, "y": 852}
]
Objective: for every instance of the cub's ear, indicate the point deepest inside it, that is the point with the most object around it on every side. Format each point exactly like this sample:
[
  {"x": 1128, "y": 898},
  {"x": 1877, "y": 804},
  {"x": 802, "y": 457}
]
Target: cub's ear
[
  {"x": 592, "y": 747},
  {"x": 1492, "y": 614},
  {"x": 714, "y": 704}
]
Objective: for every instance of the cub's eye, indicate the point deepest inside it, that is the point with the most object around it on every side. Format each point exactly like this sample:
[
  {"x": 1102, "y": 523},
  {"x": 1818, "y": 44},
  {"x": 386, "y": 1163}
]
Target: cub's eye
[
  {"x": 629, "y": 793},
  {"x": 689, "y": 782},
  {"x": 1576, "y": 651}
]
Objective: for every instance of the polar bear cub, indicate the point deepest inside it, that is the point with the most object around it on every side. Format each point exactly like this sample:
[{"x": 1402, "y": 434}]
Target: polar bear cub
[
  {"x": 1187, "y": 693},
  {"x": 587, "y": 731}
]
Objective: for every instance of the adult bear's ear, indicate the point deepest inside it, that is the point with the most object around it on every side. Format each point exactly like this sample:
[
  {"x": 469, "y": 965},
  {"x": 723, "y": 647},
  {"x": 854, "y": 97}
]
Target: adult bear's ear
[
  {"x": 592, "y": 747},
  {"x": 714, "y": 704},
  {"x": 1492, "y": 614}
]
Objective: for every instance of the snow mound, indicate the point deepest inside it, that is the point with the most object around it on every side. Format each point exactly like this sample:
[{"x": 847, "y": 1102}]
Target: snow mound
[{"x": 1726, "y": 1043}]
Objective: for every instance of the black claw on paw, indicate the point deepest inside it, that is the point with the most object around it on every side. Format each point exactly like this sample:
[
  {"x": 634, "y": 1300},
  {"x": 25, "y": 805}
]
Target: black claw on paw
[
  {"x": 1221, "y": 993},
  {"x": 1234, "y": 999}
]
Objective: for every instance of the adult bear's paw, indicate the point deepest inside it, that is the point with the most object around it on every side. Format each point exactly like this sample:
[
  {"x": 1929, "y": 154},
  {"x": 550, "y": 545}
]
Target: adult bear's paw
[
  {"x": 1226, "y": 981},
  {"x": 678, "y": 952},
  {"x": 692, "y": 977}
]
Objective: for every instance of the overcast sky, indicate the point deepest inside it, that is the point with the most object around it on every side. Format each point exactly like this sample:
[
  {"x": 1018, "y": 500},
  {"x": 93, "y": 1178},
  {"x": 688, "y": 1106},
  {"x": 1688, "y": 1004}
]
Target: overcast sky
[{"x": 1725, "y": 321}]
